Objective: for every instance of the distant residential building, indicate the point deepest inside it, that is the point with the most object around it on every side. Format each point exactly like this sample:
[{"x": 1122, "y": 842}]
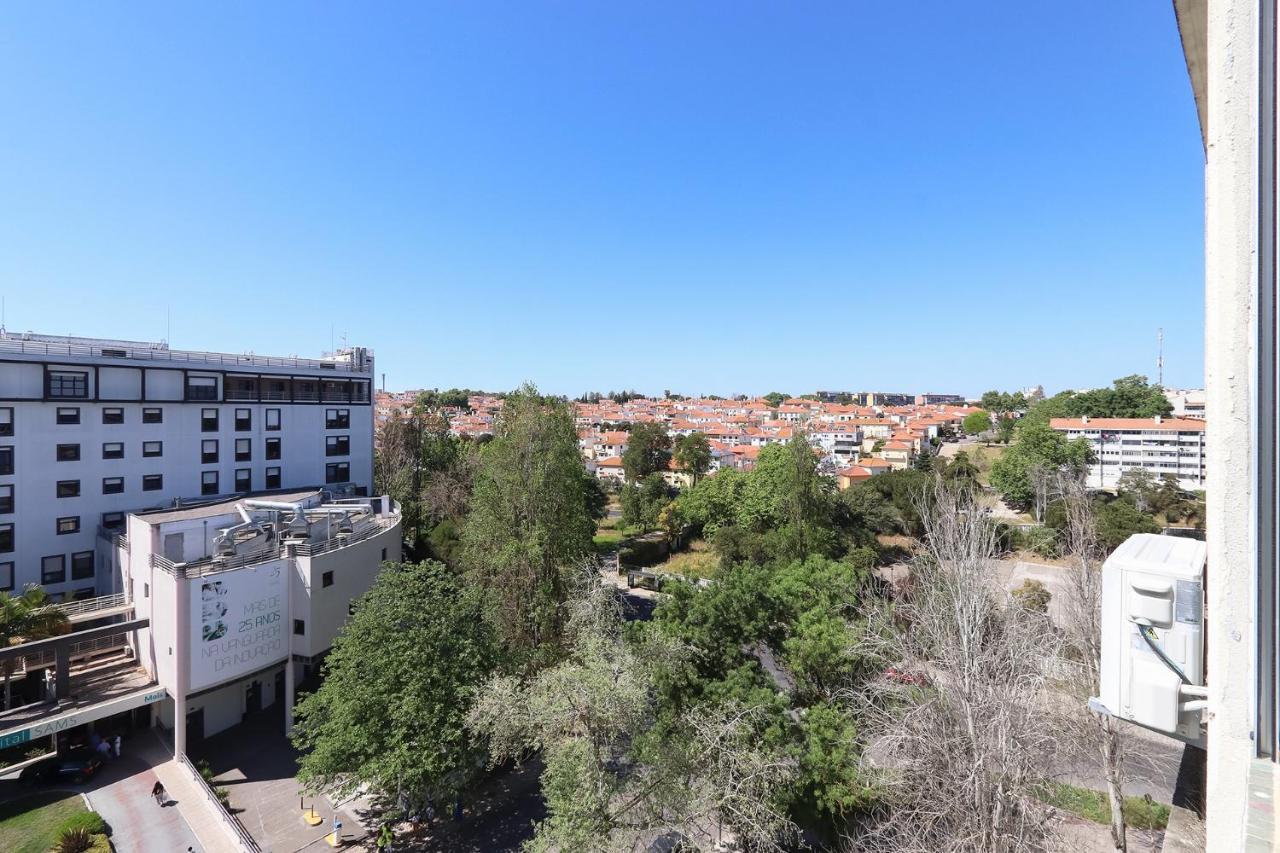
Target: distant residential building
[
  {"x": 898, "y": 454},
  {"x": 610, "y": 468},
  {"x": 1187, "y": 403},
  {"x": 853, "y": 475},
  {"x": 882, "y": 398},
  {"x": 938, "y": 399},
  {"x": 1158, "y": 445}
]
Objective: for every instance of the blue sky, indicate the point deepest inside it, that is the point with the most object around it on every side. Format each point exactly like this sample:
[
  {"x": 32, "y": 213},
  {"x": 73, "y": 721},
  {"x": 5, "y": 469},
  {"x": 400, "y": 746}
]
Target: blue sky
[{"x": 707, "y": 197}]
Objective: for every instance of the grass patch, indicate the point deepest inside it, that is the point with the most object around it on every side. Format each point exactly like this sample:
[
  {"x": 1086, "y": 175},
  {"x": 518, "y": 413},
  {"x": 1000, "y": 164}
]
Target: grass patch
[
  {"x": 1139, "y": 812},
  {"x": 607, "y": 541},
  {"x": 699, "y": 561},
  {"x": 30, "y": 824}
]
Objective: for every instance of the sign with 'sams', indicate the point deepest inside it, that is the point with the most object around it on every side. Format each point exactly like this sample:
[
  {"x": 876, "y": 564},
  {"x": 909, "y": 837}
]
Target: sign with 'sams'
[{"x": 237, "y": 623}]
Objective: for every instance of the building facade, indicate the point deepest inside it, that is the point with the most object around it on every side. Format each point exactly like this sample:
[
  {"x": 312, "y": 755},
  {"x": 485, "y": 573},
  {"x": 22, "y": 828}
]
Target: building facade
[
  {"x": 92, "y": 429},
  {"x": 1157, "y": 445}
]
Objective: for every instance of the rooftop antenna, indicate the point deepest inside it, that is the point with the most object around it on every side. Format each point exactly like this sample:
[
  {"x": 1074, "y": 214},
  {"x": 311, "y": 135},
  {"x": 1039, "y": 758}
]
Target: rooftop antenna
[{"x": 1160, "y": 357}]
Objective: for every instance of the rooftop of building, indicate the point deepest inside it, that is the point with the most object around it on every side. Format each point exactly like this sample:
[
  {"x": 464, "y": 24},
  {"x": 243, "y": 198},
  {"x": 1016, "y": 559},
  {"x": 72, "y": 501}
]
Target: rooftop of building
[
  {"x": 1161, "y": 424},
  {"x": 347, "y": 359}
]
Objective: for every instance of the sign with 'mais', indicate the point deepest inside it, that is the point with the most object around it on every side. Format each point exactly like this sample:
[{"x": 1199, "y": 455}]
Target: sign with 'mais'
[{"x": 237, "y": 622}]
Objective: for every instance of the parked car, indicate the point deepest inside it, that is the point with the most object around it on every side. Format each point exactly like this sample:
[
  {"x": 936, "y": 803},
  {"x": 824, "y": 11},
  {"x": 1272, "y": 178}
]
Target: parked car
[{"x": 77, "y": 767}]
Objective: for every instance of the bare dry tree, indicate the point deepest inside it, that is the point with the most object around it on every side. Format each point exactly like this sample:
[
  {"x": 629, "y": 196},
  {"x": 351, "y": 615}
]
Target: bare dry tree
[
  {"x": 960, "y": 747},
  {"x": 1099, "y": 737}
]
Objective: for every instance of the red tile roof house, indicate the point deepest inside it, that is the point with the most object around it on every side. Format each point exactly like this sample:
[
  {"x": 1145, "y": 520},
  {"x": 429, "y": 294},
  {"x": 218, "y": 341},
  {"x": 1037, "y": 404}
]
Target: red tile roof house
[
  {"x": 847, "y": 477},
  {"x": 610, "y": 468},
  {"x": 898, "y": 454}
]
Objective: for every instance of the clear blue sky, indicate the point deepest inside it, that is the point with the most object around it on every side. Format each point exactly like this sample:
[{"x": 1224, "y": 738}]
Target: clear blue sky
[{"x": 707, "y": 197}]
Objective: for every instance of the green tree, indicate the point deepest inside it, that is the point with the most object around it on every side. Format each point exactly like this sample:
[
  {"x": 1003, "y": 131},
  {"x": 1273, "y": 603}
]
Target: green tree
[
  {"x": 961, "y": 470},
  {"x": 693, "y": 455},
  {"x": 976, "y": 423},
  {"x": 1038, "y": 451},
  {"x": 389, "y": 713},
  {"x": 1119, "y": 519},
  {"x": 531, "y": 518},
  {"x": 648, "y": 451},
  {"x": 1140, "y": 486},
  {"x": 32, "y": 615},
  {"x": 643, "y": 501},
  {"x": 775, "y": 398}
]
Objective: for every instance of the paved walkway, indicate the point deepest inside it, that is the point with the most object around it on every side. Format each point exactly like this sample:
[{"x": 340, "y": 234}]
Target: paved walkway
[
  {"x": 121, "y": 793},
  {"x": 257, "y": 764}
]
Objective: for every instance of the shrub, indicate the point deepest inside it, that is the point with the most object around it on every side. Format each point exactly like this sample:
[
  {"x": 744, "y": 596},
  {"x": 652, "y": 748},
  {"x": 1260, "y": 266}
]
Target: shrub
[
  {"x": 90, "y": 822},
  {"x": 78, "y": 840},
  {"x": 1032, "y": 595}
]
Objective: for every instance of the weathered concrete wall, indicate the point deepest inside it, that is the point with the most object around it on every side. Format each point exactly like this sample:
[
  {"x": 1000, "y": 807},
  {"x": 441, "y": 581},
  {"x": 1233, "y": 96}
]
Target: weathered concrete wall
[{"x": 1230, "y": 332}]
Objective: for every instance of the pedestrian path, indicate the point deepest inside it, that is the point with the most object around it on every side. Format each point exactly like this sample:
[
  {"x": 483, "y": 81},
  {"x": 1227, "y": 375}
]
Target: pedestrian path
[{"x": 121, "y": 793}]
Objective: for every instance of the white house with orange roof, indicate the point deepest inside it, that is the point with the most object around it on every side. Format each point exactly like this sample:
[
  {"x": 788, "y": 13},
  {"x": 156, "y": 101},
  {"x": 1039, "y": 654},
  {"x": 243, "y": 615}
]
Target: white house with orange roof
[
  {"x": 898, "y": 454},
  {"x": 855, "y": 474},
  {"x": 610, "y": 468}
]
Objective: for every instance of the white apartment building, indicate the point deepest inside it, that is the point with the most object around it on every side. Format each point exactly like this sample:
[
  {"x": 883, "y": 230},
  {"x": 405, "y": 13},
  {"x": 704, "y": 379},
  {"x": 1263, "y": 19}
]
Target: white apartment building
[
  {"x": 245, "y": 596},
  {"x": 844, "y": 443},
  {"x": 1158, "y": 445},
  {"x": 1187, "y": 403},
  {"x": 92, "y": 429}
]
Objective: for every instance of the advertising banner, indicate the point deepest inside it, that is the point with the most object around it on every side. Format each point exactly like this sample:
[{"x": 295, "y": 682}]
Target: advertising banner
[{"x": 237, "y": 623}]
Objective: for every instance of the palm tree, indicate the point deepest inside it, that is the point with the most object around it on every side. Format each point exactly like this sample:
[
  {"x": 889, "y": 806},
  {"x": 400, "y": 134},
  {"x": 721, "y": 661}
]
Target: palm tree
[{"x": 26, "y": 617}]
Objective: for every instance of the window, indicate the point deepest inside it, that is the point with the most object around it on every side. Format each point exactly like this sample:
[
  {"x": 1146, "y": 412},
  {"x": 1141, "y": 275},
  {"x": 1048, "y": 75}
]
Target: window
[
  {"x": 384, "y": 553},
  {"x": 152, "y": 448},
  {"x": 68, "y": 415},
  {"x": 337, "y": 472},
  {"x": 68, "y": 524},
  {"x": 273, "y": 448},
  {"x": 81, "y": 565},
  {"x": 202, "y": 388},
  {"x": 326, "y": 579},
  {"x": 113, "y": 450},
  {"x": 6, "y": 459},
  {"x": 6, "y": 499},
  {"x": 53, "y": 569},
  {"x": 6, "y": 576},
  {"x": 6, "y": 537},
  {"x": 337, "y": 445},
  {"x": 244, "y": 480},
  {"x": 209, "y": 451},
  {"x": 68, "y": 453},
  {"x": 208, "y": 482},
  {"x": 112, "y": 485},
  {"x": 113, "y": 416},
  {"x": 153, "y": 416},
  {"x": 208, "y": 420},
  {"x": 299, "y": 627},
  {"x": 112, "y": 520},
  {"x": 273, "y": 419},
  {"x": 68, "y": 488},
  {"x": 273, "y": 478},
  {"x": 82, "y": 593},
  {"x": 244, "y": 420},
  {"x": 6, "y": 421},
  {"x": 337, "y": 419},
  {"x": 152, "y": 482},
  {"x": 244, "y": 450},
  {"x": 68, "y": 384}
]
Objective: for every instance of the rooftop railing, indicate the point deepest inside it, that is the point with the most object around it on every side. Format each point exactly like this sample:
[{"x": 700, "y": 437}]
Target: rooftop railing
[{"x": 135, "y": 352}]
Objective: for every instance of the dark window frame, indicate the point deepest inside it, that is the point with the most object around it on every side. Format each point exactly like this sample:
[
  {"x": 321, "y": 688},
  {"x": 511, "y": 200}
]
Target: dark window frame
[
  {"x": 67, "y": 384},
  {"x": 67, "y": 489},
  {"x": 112, "y": 416},
  {"x": 208, "y": 457},
  {"x": 159, "y": 450},
  {"x": 6, "y": 459},
  {"x": 196, "y": 389},
  {"x": 337, "y": 445},
  {"x": 153, "y": 415},
  {"x": 112, "y": 454},
  {"x": 6, "y": 421},
  {"x": 7, "y": 502},
  {"x": 67, "y": 453},
  {"x": 71, "y": 528},
  {"x": 247, "y": 479},
  {"x": 337, "y": 419},
  {"x": 273, "y": 443},
  {"x": 208, "y": 487},
  {"x": 333, "y": 470},
  {"x": 67, "y": 416},
  {"x": 57, "y": 576},
  {"x": 243, "y": 424},
  {"x": 244, "y": 455},
  {"x": 326, "y": 579},
  {"x": 208, "y": 423},
  {"x": 273, "y": 475},
  {"x": 77, "y": 565},
  {"x": 156, "y": 482},
  {"x": 6, "y": 537},
  {"x": 266, "y": 420},
  {"x": 112, "y": 520},
  {"x": 7, "y": 564},
  {"x": 112, "y": 488}
]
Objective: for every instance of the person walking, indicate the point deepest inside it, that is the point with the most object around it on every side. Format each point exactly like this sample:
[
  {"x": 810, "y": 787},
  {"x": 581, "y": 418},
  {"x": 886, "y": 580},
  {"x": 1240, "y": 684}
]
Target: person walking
[
  {"x": 116, "y": 744},
  {"x": 158, "y": 792}
]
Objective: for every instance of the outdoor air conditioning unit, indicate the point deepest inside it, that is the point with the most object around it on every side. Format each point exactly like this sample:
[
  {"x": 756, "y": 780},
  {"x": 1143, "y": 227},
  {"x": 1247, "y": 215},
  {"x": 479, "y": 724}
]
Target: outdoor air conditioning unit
[{"x": 1153, "y": 635}]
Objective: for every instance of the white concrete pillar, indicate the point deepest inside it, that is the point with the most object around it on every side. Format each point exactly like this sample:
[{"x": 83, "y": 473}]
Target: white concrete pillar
[{"x": 182, "y": 661}]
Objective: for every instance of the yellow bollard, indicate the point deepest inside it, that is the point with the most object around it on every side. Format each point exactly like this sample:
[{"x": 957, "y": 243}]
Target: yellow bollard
[
  {"x": 332, "y": 838},
  {"x": 312, "y": 817}
]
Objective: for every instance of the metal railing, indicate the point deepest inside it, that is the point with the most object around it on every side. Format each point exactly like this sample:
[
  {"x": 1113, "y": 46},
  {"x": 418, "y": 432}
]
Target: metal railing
[
  {"x": 78, "y": 651},
  {"x": 208, "y": 565},
  {"x": 87, "y": 606},
  {"x": 246, "y": 841},
  {"x": 125, "y": 351}
]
